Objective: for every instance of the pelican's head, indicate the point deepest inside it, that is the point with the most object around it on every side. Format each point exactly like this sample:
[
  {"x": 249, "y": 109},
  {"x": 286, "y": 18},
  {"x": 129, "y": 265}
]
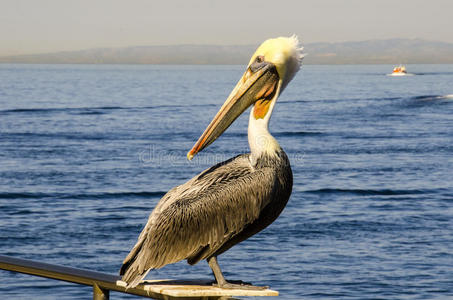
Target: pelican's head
[{"x": 270, "y": 69}]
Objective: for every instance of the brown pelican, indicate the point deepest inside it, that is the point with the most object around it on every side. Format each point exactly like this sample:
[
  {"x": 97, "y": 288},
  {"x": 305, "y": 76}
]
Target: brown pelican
[{"x": 235, "y": 199}]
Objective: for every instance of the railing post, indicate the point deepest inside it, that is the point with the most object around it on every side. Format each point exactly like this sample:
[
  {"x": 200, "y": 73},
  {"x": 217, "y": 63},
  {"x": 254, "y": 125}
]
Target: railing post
[{"x": 100, "y": 293}]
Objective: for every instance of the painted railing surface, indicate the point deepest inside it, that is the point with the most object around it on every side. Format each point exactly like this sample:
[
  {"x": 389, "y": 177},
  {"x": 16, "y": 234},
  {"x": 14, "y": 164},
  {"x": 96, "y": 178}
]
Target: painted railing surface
[{"x": 104, "y": 283}]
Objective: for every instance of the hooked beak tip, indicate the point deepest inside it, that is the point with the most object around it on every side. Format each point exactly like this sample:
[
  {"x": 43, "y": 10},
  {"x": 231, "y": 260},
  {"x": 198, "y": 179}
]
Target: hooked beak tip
[{"x": 190, "y": 155}]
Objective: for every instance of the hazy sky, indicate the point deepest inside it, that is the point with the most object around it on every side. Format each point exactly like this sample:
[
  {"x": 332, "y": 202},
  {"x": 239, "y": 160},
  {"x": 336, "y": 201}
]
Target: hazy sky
[{"x": 51, "y": 25}]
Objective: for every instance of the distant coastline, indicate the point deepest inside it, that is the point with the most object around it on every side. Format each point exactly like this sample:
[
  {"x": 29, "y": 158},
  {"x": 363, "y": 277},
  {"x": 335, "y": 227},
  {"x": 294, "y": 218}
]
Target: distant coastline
[{"x": 390, "y": 51}]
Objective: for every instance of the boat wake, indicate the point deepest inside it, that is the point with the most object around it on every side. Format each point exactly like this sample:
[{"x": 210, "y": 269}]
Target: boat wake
[
  {"x": 400, "y": 74},
  {"x": 433, "y": 97}
]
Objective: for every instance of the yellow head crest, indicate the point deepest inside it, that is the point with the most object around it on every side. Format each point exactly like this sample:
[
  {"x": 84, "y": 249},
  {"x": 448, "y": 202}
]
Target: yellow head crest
[{"x": 285, "y": 53}]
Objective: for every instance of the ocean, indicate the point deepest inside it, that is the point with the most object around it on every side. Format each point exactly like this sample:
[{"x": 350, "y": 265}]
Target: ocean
[{"x": 86, "y": 152}]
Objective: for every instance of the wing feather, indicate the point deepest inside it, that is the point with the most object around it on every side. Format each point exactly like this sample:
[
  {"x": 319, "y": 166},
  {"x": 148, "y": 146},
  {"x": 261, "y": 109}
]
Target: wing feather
[{"x": 204, "y": 212}]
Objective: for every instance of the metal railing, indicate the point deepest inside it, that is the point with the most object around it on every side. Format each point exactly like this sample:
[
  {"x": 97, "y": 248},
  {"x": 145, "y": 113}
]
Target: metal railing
[{"x": 102, "y": 283}]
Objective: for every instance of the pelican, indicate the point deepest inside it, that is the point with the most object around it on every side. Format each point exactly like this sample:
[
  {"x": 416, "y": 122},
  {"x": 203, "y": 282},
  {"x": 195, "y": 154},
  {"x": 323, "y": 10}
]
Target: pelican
[{"x": 235, "y": 199}]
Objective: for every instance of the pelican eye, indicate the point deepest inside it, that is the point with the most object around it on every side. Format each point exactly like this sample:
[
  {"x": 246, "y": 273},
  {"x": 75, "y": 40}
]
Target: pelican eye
[{"x": 257, "y": 64}]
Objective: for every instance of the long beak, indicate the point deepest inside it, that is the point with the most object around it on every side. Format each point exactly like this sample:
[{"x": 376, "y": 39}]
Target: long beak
[{"x": 253, "y": 86}]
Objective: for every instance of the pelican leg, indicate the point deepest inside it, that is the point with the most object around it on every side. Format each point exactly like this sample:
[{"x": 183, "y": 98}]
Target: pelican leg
[
  {"x": 212, "y": 261},
  {"x": 222, "y": 283}
]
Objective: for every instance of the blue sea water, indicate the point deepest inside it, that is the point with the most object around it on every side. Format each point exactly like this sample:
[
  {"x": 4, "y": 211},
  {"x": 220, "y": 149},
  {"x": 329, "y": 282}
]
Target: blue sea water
[{"x": 86, "y": 152}]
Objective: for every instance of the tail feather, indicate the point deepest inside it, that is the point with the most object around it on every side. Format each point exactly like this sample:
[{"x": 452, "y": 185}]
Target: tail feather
[
  {"x": 131, "y": 272},
  {"x": 133, "y": 277}
]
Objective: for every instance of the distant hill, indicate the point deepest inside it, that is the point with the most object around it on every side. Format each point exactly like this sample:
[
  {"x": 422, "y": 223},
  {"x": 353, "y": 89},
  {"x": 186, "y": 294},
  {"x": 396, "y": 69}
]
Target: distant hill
[{"x": 391, "y": 51}]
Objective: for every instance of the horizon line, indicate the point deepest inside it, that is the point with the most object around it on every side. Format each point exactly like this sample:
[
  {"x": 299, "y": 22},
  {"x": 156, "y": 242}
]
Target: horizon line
[{"x": 209, "y": 44}]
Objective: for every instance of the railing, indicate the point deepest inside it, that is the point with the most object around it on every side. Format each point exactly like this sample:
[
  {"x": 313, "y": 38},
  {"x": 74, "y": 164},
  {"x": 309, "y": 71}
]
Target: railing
[{"x": 104, "y": 283}]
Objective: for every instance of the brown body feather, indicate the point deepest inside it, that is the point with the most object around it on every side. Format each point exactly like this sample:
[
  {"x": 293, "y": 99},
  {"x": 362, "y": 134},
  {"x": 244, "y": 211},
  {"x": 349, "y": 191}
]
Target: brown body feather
[{"x": 210, "y": 213}]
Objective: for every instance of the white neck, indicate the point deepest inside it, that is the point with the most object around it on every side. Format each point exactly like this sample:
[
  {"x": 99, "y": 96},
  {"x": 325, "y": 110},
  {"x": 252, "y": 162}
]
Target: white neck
[{"x": 260, "y": 140}]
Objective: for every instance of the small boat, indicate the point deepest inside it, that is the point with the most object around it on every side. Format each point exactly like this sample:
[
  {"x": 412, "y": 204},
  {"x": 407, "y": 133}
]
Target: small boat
[{"x": 399, "y": 71}]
